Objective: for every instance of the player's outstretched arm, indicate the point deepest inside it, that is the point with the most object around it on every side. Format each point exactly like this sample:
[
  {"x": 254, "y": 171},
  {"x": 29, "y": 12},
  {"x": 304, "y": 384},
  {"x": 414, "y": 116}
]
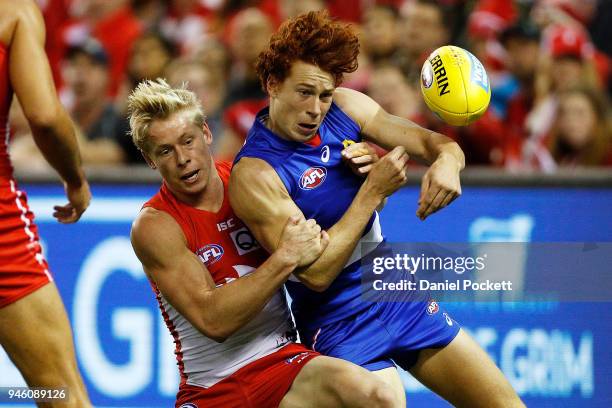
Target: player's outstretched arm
[
  {"x": 161, "y": 246},
  {"x": 260, "y": 199},
  {"x": 441, "y": 183},
  {"x": 51, "y": 126}
]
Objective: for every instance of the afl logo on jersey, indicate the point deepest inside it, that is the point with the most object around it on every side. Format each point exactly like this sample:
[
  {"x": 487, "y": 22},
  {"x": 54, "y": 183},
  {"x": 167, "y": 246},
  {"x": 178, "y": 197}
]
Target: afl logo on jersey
[
  {"x": 432, "y": 307},
  {"x": 209, "y": 254},
  {"x": 313, "y": 177}
]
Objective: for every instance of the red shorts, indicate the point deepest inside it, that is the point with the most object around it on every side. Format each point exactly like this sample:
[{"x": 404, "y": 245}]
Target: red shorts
[
  {"x": 23, "y": 269},
  {"x": 260, "y": 384}
]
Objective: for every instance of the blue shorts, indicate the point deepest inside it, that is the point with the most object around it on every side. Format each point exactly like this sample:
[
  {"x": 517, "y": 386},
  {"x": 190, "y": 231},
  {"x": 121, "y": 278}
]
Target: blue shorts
[{"x": 384, "y": 334}]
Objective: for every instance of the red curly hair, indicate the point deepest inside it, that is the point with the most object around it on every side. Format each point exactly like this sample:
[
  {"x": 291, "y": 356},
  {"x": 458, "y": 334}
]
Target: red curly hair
[{"x": 313, "y": 38}]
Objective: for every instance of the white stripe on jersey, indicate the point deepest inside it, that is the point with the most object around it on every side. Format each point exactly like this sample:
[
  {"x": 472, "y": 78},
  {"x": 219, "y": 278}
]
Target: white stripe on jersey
[
  {"x": 206, "y": 362},
  {"x": 26, "y": 227}
]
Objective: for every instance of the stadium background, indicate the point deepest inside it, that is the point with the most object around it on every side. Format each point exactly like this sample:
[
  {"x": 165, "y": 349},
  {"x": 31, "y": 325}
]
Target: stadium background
[{"x": 537, "y": 173}]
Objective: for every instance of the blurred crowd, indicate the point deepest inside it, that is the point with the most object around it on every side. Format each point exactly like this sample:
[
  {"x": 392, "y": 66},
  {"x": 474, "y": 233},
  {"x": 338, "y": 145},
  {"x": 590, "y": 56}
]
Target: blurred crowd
[{"x": 549, "y": 63}]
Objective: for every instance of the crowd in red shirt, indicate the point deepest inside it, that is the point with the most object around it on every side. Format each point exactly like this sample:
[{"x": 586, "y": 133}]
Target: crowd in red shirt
[{"x": 548, "y": 62}]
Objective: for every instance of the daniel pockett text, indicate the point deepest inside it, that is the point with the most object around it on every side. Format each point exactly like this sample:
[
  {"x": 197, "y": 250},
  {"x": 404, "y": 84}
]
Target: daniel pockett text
[{"x": 415, "y": 269}]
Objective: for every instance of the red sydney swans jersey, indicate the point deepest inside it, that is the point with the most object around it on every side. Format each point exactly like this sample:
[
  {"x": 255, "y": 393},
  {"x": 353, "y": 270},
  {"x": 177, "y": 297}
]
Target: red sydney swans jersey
[
  {"x": 6, "y": 96},
  {"x": 228, "y": 250}
]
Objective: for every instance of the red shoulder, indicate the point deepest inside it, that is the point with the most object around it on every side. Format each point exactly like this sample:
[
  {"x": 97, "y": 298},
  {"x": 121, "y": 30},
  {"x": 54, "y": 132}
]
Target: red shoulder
[{"x": 224, "y": 168}]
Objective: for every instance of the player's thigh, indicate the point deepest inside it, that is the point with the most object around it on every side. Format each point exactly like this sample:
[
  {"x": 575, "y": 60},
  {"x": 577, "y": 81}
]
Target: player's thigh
[
  {"x": 463, "y": 374},
  {"x": 331, "y": 382},
  {"x": 392, "y": 378},
  {"x": 35, "y": 333}
]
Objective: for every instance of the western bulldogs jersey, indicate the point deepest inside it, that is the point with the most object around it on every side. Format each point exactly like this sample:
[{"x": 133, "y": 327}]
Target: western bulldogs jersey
[
  {"x": 323, "y": 187},
  {"x": 228, "y": 250}
]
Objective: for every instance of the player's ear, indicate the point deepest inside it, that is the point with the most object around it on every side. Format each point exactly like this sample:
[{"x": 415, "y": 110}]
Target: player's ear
[
  {"x": 207, "y": 133},
  {"x": 272, "y": 87}
]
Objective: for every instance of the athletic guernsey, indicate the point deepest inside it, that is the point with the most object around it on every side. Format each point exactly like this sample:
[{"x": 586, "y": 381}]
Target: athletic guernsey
[
  {"x": 6, "y": 96},
  {"x": 323, "y": 187},
  {"x": 340, "y": 321},
  {"x": 23, "y": 268},
  {"x": 228, "y": 250}
]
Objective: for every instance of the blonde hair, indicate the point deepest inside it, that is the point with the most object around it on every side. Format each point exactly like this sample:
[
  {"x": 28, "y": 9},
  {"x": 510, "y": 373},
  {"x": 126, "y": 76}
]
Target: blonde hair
[{"x": 156, "y": 100}]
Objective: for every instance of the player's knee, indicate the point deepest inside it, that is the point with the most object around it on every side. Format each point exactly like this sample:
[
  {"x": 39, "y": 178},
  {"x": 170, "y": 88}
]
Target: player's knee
[
  {"x": 382, "y": 396},
  {"x": 363, "y": 389}
]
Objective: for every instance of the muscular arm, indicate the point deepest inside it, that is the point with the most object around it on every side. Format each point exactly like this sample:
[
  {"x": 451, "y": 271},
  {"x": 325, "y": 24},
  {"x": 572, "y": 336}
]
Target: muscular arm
[
  {"x": 185, "y": 282},
  {"x": 260, "y": 199},
  {"x": 440, "y": 184},
  {"x": 390, "y": 131},
  {"x": 32, "y": 82}
]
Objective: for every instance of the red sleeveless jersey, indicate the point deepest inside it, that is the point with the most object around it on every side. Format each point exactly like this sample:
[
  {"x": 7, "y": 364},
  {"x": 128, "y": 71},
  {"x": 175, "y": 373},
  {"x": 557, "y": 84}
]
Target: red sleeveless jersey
[
  {"x": 6, "y": 96},
  {"x": 221, "y": 241},
  {"x": 227, "y": 248}
]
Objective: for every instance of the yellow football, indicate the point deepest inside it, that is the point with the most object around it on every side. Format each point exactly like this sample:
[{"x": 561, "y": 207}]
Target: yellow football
[{"x": 455, "y": 85}]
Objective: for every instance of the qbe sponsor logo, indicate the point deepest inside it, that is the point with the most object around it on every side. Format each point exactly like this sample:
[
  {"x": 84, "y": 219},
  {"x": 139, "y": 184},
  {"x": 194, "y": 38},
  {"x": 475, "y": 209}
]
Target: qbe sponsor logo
[{"x": 244, "y": 241}]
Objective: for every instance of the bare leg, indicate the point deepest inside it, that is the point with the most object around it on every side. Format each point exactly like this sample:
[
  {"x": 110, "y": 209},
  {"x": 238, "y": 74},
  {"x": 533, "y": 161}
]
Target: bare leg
[
  {"x": 463, "y": 374},
  {"x": 36, "y": 335},
  {"x": 330, "y": 382},
  {"x": 391, "y": 377}
]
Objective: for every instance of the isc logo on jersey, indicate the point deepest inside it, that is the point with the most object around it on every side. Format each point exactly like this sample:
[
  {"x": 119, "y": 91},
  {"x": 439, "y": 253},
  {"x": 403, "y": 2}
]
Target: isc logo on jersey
[
  {"x": 312, "y": 177},
  {"x": 209, "y": 254}
]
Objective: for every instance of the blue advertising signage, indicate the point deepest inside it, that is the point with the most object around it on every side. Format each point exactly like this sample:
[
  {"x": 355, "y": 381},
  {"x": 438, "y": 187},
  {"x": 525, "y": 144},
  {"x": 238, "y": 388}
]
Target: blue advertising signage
[{"x": 554, "y": 354}]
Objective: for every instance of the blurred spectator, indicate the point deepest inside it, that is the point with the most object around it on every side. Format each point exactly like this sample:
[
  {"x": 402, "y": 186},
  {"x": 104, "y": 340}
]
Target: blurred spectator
[
  {"x": 56, "y": 15},
  {"x": 238, "y": 119},
  {"x": 292, "y": 8},
  {"x": 566, "y": 61},
  {"x": 150, "y": 13},
  {"x": 209, "y": 87},
  {"x": 86, "y": 75},
  {"x": 187, "y": 23},
  {"x": 379, "y": 35},
  {"x": 109, "y": 21},
  {"x": 249, "y": 33},
  {"x": 224, "y": 37},
  {"x": 601, "y": 30},
  {"x": 522, "y": 42},
  {"x": 582, "y": 135},
  {"x": 393, "y": 92},
  {"x": 425, "y": 25},
  {"x": 149, "y": 57},
  {"x": 214, "y": 55},
  {"x": 485, "y": 24}
]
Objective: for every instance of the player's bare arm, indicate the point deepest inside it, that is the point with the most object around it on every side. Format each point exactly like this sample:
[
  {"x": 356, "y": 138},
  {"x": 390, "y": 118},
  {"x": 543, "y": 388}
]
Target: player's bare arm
[
  {"x": 51, "y": 126},
  {"x": 440, "y": 184},
  {"x": 179, "y": 274},
  {"x": 260, "y": 199}
]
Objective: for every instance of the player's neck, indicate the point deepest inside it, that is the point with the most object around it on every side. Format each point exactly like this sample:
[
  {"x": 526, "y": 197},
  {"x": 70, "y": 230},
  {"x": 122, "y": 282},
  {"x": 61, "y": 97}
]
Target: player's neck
[
  {"x": 271, "y": 125},
  {"x": 210, "y": 198}
]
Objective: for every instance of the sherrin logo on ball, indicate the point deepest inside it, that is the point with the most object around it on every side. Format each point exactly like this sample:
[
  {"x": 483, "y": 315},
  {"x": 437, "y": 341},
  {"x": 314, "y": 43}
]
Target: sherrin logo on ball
[{"x": 455, "y": 85}]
